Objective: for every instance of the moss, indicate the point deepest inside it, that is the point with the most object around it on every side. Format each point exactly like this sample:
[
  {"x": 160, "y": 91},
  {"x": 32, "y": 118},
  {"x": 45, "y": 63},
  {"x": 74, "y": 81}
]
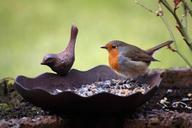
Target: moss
[
  {"x": 6, "y": 86},
  {"x": 9, "y": 98},
  {"x": 5, "y": 107}
]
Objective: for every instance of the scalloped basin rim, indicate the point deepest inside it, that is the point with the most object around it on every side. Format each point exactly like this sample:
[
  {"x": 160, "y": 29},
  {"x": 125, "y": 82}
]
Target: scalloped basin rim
[
  {"x": 42, "y": 91},
  {"x": 104, "y": 67},
  {"x": 71, "y": 92}
]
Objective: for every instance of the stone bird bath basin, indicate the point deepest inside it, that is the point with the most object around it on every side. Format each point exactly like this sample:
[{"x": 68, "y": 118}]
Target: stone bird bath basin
[{"x": 42, "y": 92}]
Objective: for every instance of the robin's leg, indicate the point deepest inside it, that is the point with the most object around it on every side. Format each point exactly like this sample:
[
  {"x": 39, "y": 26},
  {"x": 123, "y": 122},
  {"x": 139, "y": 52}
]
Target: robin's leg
[
  {"x": 122, "y": 82},
  {"x": 130, "y": 80},
  {"x": 127, "y": 83}
]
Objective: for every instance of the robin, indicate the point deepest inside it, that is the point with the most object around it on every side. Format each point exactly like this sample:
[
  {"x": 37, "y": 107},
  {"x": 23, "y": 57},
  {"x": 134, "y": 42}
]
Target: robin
[
  {"x": 62, "y": 62},
  {"x": 129, "y": 60}
]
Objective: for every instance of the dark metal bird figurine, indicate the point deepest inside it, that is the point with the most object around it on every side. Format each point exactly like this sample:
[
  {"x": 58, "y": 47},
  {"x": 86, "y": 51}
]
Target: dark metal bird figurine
[{"x": 62, "y": 62}]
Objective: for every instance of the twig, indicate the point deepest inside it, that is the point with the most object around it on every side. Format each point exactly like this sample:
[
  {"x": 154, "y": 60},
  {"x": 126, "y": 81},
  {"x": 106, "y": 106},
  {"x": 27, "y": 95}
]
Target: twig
[
  {"x": 184, "y": 18},
  {"x": 179, "y": 26},
  {"x": 184, "y": 58},
  {"x": 187, "y": 7},
  {"x": 169, "y": 30},
  {"x": 173, "y": 38},
  {"x": 144, "y": 7}
]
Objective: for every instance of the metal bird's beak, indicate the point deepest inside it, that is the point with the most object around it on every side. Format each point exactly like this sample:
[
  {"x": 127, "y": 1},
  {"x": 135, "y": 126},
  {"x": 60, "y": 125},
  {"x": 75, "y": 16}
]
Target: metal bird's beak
[
  {"x": 47, "y": 59},
  {"x": 104, "y": 47},
  {"x": 42, "y": 63}
]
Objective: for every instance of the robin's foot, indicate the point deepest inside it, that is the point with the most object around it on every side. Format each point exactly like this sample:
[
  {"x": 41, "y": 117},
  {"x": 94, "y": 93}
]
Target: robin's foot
[
  {"x": 128, "y": 83},
  {"x": 130, "y": 80},
  {"x": 125, "y": 81}
]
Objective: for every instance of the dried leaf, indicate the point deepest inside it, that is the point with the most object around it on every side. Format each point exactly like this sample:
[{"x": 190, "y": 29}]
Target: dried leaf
[{"x": 176, "y": 2}]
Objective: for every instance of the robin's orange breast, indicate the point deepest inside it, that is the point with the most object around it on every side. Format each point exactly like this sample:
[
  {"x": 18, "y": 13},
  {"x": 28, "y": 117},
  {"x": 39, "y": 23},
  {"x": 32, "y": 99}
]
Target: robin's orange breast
[{"x": 113, "y": 59}]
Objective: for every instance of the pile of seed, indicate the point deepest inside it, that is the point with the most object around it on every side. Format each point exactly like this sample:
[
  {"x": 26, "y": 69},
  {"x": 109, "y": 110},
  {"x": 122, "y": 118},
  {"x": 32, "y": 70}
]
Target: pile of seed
[{"x": 117, "y": 87}]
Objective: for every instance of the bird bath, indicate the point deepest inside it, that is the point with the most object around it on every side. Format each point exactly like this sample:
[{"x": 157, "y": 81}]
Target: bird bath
[{"x": 50, "y": 91}]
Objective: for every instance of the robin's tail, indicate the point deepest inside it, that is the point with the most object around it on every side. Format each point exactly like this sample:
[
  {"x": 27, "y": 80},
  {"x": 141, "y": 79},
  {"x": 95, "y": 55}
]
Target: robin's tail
[{"x": 153, "y": 49}]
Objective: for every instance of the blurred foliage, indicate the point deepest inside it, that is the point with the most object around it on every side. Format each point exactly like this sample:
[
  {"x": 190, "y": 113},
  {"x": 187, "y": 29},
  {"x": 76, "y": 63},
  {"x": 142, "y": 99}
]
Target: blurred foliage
[{"x": 30, "y": 29}]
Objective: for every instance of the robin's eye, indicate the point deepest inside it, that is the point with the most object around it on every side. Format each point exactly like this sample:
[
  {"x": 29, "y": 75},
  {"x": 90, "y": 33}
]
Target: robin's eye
[{"x": 114, "y": 47}]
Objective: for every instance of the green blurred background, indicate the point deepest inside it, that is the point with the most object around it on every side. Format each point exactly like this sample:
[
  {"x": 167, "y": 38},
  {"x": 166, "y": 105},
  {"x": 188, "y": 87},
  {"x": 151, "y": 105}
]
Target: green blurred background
[{"x": 31, "y": 28}]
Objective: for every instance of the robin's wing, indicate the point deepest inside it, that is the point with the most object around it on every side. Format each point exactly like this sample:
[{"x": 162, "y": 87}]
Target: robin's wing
[{"x": 137, "y": 54}]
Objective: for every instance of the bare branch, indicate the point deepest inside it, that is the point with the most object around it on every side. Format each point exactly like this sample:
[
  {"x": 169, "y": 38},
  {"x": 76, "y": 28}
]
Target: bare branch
[
  {"x": 179, "y": 26},
  {"x": 159, "y": 12},
  {"x": 184, "y": 58}
]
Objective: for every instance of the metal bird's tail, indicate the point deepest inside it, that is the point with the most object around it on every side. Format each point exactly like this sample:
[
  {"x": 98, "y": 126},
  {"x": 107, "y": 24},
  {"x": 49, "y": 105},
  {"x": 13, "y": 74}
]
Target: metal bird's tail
[
  {"x": 153, "y": 49},
  {"x": 72, "y": 40},
  {"x": 74, "y": 32}
]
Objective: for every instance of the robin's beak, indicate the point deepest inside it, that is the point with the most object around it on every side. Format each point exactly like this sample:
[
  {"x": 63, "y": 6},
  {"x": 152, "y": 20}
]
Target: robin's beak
[{"x": 104, "y": 47}]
